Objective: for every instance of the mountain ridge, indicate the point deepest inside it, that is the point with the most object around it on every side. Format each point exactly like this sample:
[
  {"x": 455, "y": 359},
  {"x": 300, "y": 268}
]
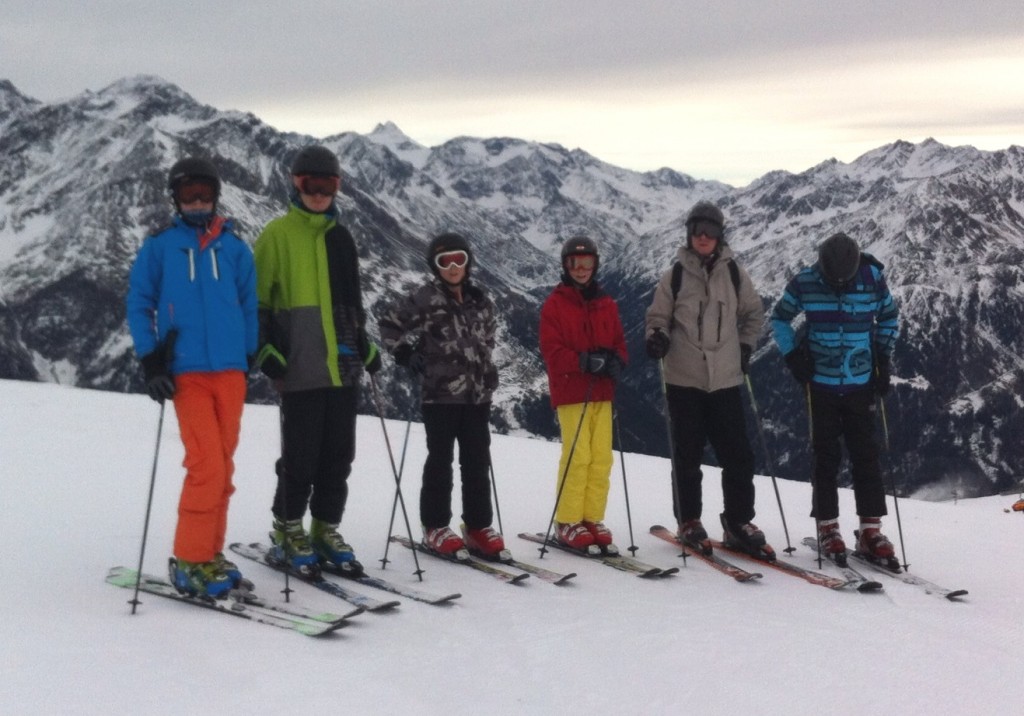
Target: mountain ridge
[{"x": 82, "y": 181}]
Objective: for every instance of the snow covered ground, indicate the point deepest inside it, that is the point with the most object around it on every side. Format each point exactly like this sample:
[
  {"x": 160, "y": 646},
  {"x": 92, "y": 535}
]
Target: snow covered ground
[{"x": 75, "y": 468}]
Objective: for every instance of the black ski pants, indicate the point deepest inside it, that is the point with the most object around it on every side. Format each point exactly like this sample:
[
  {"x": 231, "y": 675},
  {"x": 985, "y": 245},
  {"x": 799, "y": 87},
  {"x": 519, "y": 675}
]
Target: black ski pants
[
  {"x": 318, "y": 447},
  {"x": 849, "y": 418},
  {"x": 469, "y": 425},
  {"x": 699, "y": 417}
]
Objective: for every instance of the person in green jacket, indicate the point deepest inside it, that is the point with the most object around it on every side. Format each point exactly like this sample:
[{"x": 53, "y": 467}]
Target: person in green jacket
[{"x": 314, "y": 348}]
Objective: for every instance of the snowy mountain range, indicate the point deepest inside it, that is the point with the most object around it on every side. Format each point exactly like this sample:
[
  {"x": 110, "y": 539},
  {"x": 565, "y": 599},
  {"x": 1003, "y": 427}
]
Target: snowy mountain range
[{"x": 82, "y": 181}]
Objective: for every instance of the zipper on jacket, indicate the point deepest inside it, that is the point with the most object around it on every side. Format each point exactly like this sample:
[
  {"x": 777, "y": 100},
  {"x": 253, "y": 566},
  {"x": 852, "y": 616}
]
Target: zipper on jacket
[
  {"x": 213, "y": 261},
  {"x": 191, "y": 265},
  {"x": 700, "y": 322}
]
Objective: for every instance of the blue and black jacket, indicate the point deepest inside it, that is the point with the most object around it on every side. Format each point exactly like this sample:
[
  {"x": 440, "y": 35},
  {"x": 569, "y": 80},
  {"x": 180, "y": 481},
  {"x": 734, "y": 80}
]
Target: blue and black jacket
[{"x": 845, "y": 328}]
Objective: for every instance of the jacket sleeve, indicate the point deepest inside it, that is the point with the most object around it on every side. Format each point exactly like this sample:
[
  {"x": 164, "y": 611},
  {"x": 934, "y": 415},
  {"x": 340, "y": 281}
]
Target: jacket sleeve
[
  {"x": 619, "y": 344},
  {"x": 787, "y": 308},
  {"x": 749, "y": 311},
  {"x": 143, "y": 298},
  {"x": 887, "y": 319},
  {"x": 401, "y": 323},
  {"x": 246, "y": 282},
  {"x": 659, "y": 313}
]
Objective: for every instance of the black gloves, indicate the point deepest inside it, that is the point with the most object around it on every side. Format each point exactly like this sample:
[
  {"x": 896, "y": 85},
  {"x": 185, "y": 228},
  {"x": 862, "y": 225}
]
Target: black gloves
[
  {"x": 800, "y": 363},
  {"x": 271, "y": 362},
  {"x": 745, "y": 353},
  {"x": 159, "y": 383},
  {"x": 657, "y": 345},
  {"x": 603, "y": 361},
  {"x": 882, "y": 377},
  {"x": 368, "y": 352},
  {"x": 406, "y": 356}
]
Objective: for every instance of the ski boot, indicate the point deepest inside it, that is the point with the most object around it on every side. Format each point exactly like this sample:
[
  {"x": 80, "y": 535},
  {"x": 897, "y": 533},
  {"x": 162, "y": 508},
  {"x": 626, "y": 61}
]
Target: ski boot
[
  {"x": 830, "y": 541},
  {"x": 746, "y": 538},
  {"x": 693, "y": 535},
  {"x": 332, "y": 549},
  {"x": 443, "y": 542},
  {"x": 602, "y": 537},
  {"x": 203, "y": 580},
  {"x": 577, "y": 537},
  {"x": 875, "y": 546},
  {"x": 233, "y": 573},
  {"x": 290, "y": 547},
  {"x": 486, "y": 543}
]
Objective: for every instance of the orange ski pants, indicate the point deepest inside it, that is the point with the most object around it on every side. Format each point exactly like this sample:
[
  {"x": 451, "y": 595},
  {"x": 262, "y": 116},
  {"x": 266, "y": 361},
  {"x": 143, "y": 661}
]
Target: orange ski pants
[{"x": 209, "y": 409}]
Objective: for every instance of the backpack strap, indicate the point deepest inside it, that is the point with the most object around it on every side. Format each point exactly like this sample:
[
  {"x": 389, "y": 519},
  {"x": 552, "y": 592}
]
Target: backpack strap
[{"x": 677, "y": 278}]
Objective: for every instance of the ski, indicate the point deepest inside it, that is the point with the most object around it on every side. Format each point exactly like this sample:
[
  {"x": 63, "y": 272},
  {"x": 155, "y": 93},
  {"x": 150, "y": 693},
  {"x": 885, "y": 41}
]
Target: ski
[
  {"x": 857, "y": 580},
  {"x": 912, "y": 579},
  {"x": 616, "y": 561},
  {"x": 541, "y": 573},
  {"x": 712, "y": 560},
  {"x": 473, "y": 563},
  {"x": 822, "y": 580},
  {"x": 249, "y": 607},
  {"x": 399, "y": 589},
  {"x": 260, "y": 553}
]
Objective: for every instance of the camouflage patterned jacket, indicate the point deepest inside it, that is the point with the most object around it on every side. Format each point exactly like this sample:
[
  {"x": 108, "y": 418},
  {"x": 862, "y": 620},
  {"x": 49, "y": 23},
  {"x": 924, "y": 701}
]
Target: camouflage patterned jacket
[{"x": 455, "y": 339}]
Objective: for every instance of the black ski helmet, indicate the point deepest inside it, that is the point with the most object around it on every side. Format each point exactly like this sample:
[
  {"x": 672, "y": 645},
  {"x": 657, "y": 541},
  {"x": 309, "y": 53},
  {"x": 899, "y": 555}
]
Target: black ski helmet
[
  {"x": 579, "y": 246},
  {"x": 704, "y": 211},
  {"x": 838, "y": 259},
  {"x": 193, "y": 168},
  {"x": 316, "y": 159},
  {"x": 448, "y": 242}
]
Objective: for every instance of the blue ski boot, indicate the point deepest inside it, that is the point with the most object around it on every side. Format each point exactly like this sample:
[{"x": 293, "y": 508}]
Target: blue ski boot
[{"x": 199, "y": 579}]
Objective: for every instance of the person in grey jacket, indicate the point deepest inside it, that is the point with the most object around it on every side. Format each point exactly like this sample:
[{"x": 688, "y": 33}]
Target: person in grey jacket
[
  {"x": 702, "y": 324},
  {"x": 444, "y": 333}
]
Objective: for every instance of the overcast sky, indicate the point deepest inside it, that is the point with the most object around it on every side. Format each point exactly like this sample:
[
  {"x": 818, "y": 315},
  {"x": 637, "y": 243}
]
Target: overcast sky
[{"x": 718, "y": 90}]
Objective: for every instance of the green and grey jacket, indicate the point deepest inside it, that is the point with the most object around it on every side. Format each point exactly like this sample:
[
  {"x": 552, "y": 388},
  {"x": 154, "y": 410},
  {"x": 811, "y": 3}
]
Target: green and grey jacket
[{"x": 310, "y": 305}]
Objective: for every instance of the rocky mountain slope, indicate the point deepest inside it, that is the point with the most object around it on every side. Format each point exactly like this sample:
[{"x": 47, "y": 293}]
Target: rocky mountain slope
[{"x": 83, "y": 180}]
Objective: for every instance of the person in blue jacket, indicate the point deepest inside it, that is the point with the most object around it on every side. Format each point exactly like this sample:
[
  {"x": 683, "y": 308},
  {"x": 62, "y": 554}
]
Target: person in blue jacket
[
  {"x": 843, "y": 360},
  {"x": 191, "y": 311}
]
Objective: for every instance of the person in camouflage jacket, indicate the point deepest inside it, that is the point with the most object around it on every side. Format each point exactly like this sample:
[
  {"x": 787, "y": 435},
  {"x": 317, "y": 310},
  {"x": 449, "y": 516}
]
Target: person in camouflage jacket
[{"x": 444, "y": 334}]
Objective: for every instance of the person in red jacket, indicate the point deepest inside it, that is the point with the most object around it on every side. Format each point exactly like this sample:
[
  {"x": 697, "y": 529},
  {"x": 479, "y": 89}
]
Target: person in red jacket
[{"x": 584, "y": 349}]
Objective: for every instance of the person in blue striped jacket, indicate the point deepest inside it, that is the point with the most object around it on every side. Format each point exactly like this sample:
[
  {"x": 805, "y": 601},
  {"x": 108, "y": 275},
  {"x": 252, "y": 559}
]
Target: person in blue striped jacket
[{"x": 842, "y": 357}]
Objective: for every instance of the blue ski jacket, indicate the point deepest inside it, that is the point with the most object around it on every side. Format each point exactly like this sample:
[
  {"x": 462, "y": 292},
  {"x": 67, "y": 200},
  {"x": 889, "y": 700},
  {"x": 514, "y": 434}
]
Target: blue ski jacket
[{"x": 203, "y": 284}]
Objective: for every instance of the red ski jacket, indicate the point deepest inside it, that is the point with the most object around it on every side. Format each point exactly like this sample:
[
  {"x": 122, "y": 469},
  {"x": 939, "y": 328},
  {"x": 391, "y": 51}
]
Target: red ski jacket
[{"x": 569, "y": 325}]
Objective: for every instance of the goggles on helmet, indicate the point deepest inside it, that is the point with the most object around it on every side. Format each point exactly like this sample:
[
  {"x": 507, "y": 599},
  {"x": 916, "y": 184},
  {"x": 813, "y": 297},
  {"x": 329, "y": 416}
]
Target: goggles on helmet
[
  {"x": 319, "y": 184},
  {"x": 189, "y": 191},
  {"x": 707, "y": 228},
  {"x": 447, "y": 259},
  {"x": 578, "y": 261}
]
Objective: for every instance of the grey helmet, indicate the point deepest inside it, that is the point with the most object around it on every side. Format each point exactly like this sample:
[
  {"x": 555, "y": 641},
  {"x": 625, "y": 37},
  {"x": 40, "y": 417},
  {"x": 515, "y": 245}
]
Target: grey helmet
[
  {"x": 704, "y": 211},
  {"x": 838, "y": 259},
  {"x": 316, "y": 159}
]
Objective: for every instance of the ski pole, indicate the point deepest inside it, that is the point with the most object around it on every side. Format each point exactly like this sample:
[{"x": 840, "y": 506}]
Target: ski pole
[
  {"x": 771, "y": 463},
  {"x": 394, "y": 503},
  {"x": 282, "y": 480},
  {"x": 398, "y": 480},
  {"x": 892, "y": 480},
  {"x": 149, "y": 505},
  {"x": 671, "y": 455},
  {"x": 625, "y": 488},
  {"x": 494, "y": 488},
  {"x": 814, "y": 482},
  {"x": 565, "y": 473}
]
